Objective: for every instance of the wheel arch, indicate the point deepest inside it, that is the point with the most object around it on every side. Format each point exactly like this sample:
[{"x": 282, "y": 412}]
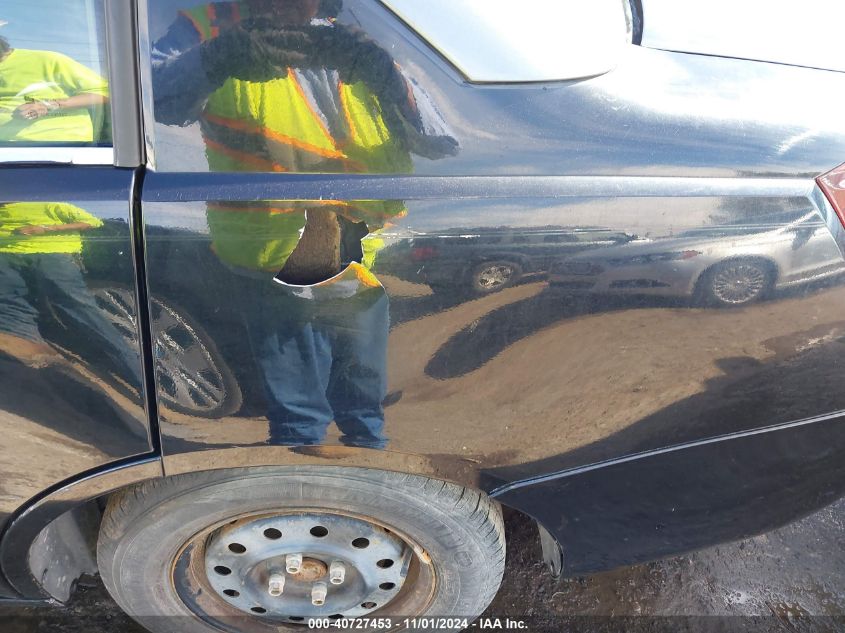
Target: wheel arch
[
  {"x": 60, "y": 514},
  {"x": 30, "y": 524}
]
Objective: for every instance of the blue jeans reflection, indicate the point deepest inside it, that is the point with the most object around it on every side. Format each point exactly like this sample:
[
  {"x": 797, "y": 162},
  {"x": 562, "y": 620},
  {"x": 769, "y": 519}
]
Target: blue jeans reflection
[{"x": 321, "y": 361}]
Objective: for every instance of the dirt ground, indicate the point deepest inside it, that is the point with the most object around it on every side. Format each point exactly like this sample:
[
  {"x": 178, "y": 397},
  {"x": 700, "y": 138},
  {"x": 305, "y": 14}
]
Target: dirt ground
[{"x": 790, "y": 580}]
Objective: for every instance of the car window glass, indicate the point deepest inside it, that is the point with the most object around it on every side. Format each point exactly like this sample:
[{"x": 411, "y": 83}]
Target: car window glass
[{"x": 53, "y": 86}]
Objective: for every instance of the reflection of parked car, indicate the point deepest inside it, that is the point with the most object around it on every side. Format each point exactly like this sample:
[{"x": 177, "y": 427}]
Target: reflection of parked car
[
  {"x": 193, "y": 376},
  {"x": 484, "y": 260},
  {"x": 725, "y": 266}
]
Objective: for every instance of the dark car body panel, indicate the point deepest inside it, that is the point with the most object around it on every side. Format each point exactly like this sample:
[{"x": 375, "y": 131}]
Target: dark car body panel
[
  {"x": 687, "y": 498},
  {"x": 457, "y": 356},
  {"x": 657, "y": 113},
  {"x": 85, "y": 411},
  {"x": 631, "y": 426}
]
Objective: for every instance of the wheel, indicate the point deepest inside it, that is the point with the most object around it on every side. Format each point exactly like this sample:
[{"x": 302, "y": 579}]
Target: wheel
[
  {"x": 192, "y": 376},
  {"x": 263, "y": 549},
  {"x": 494, "y": 275},
  {"x": 737, "y": 282}
]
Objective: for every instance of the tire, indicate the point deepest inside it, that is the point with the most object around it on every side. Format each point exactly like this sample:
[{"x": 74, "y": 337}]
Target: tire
[
  {"x": 193, "y": 378},
  {"x": 156, "y": 536},
  {"x": 494, "y": 275},
  {"x": 736, "y": 282}
]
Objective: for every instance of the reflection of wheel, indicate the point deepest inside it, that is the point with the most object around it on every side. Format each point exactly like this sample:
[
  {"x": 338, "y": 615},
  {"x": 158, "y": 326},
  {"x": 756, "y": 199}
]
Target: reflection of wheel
[
  {"x": 192, "y": 377},
  {"x": 494, "y": 275},
  {"x": 262, "y": 549},
  {"x": 737, "y": 282}
]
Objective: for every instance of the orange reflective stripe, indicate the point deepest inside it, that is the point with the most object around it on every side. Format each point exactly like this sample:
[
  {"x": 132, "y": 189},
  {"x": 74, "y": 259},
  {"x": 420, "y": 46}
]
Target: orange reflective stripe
[
  {"x": 317, "y": 118},
  {"x": 353, "y": 133},
  {"x": 199, "y": 27},
  {"x": 244, "y": 157},
  {"x": 252, "y": 128},
  {"x": 211, "y": 12},
  {"x": 252, "y": 209},
  {"x": 365, "y": 276}
]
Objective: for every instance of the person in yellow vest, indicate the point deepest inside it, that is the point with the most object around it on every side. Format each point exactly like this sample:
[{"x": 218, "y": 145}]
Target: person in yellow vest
[
  {"x": 279, "y": 86},
  {"x": 46, "y": 97},
  {"x": 40, "y": 244}
]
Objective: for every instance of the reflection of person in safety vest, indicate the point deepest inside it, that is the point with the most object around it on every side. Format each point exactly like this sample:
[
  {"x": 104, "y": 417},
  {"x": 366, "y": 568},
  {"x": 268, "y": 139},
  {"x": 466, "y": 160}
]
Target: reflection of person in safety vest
[
  {"x": 45, "y": 97},
  {"x": 40, "y": 245},
  {"x": 280, "y": 86}
]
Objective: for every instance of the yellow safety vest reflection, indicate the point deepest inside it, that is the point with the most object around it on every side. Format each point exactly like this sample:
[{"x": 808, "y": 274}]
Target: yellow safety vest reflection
[
  {"x": 274, "y": 126},
  {"x": 17, "y": 215}
]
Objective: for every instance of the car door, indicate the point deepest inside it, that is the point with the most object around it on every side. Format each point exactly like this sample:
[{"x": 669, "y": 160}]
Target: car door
[
  {"x": 72, "y": 395},
  {"x": 282, "y": 133}
]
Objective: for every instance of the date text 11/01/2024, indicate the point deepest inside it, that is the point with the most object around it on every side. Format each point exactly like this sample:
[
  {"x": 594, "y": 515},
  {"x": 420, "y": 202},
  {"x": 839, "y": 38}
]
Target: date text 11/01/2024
[{"x": 418, "y": 624}]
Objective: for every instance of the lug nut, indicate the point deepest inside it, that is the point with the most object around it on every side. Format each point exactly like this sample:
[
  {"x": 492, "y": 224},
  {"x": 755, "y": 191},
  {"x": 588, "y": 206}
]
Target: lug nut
[
  {"x": 293, "y": 563},
  {"x": 276, "y": 585},
  {"x": 318, "y": 594},
  {"x": 337, "y": 572}
]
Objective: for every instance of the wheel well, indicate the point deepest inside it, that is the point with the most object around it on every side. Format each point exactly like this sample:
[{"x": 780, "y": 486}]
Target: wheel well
[
  {"x": 64, "y": 549},
  {"x": 522, "y": 528}
]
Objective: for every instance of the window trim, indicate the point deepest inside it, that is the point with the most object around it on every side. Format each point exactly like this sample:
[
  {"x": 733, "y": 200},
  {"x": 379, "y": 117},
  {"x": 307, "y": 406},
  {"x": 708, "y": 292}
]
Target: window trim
[
  {"x": 65, "y": 155},
  {"x": 124, "y": 91},
  {"x": 145, "y": 79}
]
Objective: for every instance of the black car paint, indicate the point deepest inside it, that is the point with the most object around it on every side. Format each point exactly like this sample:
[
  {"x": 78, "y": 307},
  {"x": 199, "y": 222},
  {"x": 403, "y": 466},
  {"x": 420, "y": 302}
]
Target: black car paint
[
  {"x": 712, "y": 454},
  {"x": 95, "y": 412}
]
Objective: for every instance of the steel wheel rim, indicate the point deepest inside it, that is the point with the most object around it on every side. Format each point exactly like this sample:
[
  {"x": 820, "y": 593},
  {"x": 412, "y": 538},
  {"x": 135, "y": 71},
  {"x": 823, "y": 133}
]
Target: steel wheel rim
[
  {"x": 739, "y": 283},
  {"x": 190, "y": 579},
  {"x": 280, "y": 567}
]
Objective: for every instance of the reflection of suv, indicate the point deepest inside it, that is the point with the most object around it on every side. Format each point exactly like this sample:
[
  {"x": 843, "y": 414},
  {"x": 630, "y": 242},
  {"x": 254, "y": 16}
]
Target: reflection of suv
[
  {"x": 484, "y": 260},
  {"x": 725, "y": 266}
]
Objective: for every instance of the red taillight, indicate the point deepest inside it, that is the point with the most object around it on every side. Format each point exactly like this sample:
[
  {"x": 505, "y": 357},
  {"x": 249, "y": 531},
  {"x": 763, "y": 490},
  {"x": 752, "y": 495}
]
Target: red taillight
[
  {"x": 422, "y": 253},
  {"x": 833, "y": 185}
]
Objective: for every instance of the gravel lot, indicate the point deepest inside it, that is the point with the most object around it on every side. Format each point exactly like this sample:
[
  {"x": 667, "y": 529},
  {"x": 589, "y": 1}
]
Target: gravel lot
[{"x": 791, "y": 579}]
